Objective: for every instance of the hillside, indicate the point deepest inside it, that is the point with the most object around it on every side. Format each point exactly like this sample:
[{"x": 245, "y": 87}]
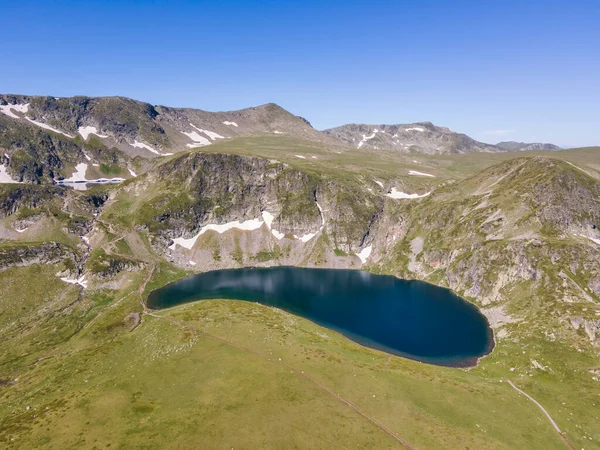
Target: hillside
[
  {"x": 420, "y": 137},
  {"x": 518, "y": 238}
]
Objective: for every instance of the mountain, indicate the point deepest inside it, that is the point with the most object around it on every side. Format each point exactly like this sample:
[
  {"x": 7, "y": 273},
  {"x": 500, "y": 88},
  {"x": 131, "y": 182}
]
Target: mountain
[
  {"x": 139, "y": 128},
  {"x": 518, "y": 239},
  {"x": 45, "y": 139},
  {"x": 83, "y": 362},
  {"x": 513, "y": 146},
  {"x": 420, "y": 137}
]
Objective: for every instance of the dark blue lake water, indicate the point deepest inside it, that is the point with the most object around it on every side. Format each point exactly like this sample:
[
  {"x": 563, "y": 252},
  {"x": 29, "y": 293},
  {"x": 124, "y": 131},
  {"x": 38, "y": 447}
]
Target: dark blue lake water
[{"x": 406, "y": 318}]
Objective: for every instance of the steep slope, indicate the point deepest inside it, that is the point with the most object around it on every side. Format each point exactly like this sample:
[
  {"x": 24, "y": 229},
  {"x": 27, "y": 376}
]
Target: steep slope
[
  {"x": 421, "y": 137},
  {"x": 512, "y": 146},
  {"x": 189, "y": 204}
]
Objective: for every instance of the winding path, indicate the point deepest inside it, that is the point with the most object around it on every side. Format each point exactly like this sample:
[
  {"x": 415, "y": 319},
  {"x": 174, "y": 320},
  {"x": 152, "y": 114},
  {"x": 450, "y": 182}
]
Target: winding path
[{"x": 546, "y": 413}]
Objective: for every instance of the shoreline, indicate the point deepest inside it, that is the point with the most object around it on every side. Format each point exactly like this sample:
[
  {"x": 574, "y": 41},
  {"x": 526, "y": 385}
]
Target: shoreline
[{"x": 464, "y": 363}]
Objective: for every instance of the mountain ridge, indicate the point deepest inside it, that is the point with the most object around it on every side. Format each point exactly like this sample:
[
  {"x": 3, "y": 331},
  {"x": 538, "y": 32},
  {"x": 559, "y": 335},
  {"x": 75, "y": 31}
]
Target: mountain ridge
[
  {"x": 417, "y": 137},
  {"x": 514, "y": 146},
  {"x": 141, "y": 129}
]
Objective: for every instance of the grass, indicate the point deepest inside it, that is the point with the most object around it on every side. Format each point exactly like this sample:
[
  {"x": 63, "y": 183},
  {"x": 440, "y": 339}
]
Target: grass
[
  {"x": 198, "y": 372},
  {"x": 229, "y": 374},
  {"x": 168, "y": 385}
]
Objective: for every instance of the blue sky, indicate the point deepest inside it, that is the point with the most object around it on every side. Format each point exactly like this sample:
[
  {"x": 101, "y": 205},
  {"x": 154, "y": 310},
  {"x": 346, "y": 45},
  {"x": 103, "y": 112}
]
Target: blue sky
[{"x": 496, "y": 70}]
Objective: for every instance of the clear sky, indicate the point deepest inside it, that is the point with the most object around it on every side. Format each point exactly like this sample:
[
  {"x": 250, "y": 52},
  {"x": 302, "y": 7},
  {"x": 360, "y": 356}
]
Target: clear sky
[{"x": 497, "y": 70}]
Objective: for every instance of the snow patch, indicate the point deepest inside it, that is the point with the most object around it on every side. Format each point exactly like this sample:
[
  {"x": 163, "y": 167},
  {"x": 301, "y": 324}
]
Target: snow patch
[
  {"x": 211, "y": 134},
  {"x": 232, "y": 124},
  {"x": 322, "y": 216},
  {"x": 199, "y": 141},
  {"x": 6, "y": 109},
  {"x": 365, "y": 138},
  {"x": 300, "y": 156},
  {"x": 278, "y": 132},
  {"x": 78, "y": 175},
  {"x": 247, "y": 225},
  {"x": 396, "y": 194},
  {"x": 138, "y": 144},
  {"x": 268, "y": 219},
  {"x": 279, "y": 235},
  {"x": 422, "y": 174},
  {"x": 379, "y": 183},
  {"x": 48, "y": 127},
  {"x": 131, "y": 172},
  {"x": 415, "y": 129},
  {"x": 365, "y": 253},
  {"x": 80, "y": 281},
  {"x": 86, "y": 131},
  {"x": 4, "y": 176},
  {"x": 306, "y": 237}
]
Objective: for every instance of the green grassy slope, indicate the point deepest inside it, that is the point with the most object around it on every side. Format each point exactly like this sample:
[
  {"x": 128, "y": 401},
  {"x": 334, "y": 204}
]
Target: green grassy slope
[
  {"x": 197, "y": 375},
  {"x": 78, "y": 370}
]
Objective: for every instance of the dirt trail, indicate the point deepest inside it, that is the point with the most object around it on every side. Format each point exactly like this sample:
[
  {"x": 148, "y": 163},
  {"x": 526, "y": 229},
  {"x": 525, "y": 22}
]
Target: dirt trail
[
  {"x": 296, "y": 371},
  {"x": 546, "y": 413}
]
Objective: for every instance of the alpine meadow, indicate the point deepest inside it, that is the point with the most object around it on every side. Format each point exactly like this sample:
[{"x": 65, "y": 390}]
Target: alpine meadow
[{"x": 176, "y": 278}]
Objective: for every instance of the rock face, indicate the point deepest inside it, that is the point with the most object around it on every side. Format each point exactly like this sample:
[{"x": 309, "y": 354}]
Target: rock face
[
  {"x": 512, "y": 146},
  {"x": 13, "y": 198},
  {"x": 421, "y": 137},
  {"x": 289, "y": 216},
  {"x": 25, "y": 255}
]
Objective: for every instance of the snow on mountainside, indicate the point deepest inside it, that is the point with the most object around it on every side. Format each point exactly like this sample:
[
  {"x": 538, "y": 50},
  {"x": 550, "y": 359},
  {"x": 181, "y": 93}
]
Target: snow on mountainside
[
  {"x": 141, "y": 129},
  {"x": 44, "y": 139},
  {"x": 421, "y": 137}
]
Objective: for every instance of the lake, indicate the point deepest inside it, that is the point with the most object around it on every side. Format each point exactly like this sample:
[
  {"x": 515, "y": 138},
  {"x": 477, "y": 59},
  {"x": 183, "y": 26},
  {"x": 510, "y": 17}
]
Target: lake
[{"x": 412, "y": 319}]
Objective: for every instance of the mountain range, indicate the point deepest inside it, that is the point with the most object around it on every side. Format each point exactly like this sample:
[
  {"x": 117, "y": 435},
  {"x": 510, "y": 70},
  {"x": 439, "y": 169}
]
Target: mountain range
[
  {"x": 162, "y": 193},
  {"x": 140, "y": 129}
]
